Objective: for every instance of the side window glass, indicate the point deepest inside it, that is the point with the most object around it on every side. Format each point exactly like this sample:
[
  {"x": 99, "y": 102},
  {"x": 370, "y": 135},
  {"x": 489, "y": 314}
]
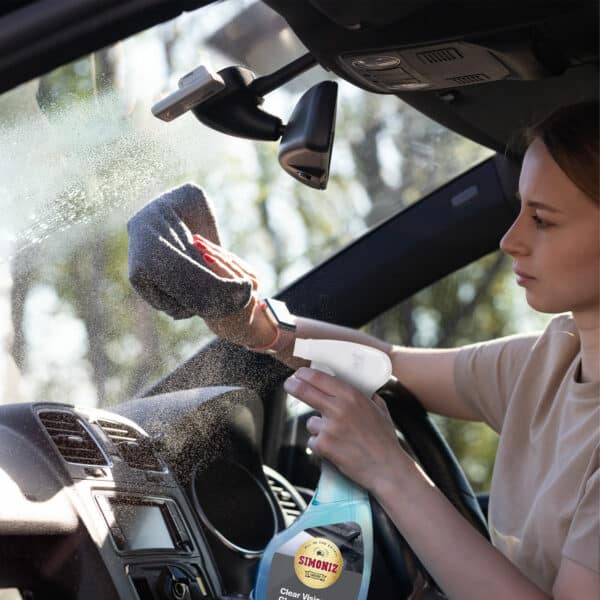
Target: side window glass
[{"x": 477, "y": 303}]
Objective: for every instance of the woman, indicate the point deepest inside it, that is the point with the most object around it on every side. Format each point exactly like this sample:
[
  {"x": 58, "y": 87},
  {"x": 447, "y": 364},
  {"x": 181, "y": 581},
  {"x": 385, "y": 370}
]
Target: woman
[{"x": 540, "y": 392}]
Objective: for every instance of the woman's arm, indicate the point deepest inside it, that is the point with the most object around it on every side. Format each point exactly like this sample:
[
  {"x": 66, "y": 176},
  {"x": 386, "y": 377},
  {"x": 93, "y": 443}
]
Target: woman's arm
[
  {"x": 463, "y": 563},
  {"x": 358, "y": 436},
  {"x": 429, "y": 374},
  {"x": 311, "y": 328}
]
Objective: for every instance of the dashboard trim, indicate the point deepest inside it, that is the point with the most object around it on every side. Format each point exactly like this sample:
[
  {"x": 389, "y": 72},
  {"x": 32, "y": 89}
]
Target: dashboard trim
[
  {"x": 245, "y": 552},
  {"x": 175, "y": 523}
]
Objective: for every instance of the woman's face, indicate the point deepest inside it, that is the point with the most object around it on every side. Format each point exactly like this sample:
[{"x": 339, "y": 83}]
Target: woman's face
[{"x": 555, "y": 240}]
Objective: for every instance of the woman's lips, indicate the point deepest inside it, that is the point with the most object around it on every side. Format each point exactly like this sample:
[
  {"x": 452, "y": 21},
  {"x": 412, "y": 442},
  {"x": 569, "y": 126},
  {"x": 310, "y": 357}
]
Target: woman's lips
[{"x": 523, "y": 278}]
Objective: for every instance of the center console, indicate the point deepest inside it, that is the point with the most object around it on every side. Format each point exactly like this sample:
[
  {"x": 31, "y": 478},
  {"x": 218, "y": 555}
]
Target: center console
[
  {"x": 143, "y": 526},
  {"x": 131, "y": 506}
]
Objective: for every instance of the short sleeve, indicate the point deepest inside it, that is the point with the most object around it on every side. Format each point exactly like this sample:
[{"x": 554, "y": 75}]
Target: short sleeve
[
  {"x": 583, "y": 539},
  {"x": 485, "y": 375}
]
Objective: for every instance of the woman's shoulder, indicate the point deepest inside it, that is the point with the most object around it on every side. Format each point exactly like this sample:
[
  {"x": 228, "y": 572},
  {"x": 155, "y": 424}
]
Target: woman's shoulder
[
  {"x": 559, "y": 336},
  {"x": 559, "y": 333},
  {"x": 561, "y": 323},
  {"x": 535, "y": 357}
]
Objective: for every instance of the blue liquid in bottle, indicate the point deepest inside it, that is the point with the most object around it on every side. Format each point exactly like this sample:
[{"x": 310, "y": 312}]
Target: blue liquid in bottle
[{"x": 327, "y": 554}]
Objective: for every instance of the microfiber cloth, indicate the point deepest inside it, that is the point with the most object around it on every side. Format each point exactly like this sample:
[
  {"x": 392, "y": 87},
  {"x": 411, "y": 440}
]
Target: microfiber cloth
[{"x": 168, "y": 271}]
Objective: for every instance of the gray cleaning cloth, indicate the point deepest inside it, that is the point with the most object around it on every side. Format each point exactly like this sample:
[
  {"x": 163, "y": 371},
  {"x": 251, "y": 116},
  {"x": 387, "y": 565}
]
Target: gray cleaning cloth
[{"x": 168, "y": 271}]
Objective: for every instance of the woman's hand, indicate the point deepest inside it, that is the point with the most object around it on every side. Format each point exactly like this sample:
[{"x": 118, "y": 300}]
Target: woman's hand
[
  {"x": 250, "y": 326},
  {"x": 353, "y": 432}
]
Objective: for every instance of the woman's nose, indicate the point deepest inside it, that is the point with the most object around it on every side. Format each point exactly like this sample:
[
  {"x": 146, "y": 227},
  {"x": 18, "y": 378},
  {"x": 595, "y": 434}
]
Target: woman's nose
[{"x": 514, "y": 241}]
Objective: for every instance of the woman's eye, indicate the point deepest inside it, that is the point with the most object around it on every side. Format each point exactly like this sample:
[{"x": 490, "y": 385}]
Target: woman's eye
[{"x": 539, "y": 223}]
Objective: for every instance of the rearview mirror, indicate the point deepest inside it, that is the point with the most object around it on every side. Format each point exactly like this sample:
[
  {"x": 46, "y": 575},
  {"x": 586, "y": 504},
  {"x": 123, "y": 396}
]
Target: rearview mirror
[{"x": 305, "y": 149}]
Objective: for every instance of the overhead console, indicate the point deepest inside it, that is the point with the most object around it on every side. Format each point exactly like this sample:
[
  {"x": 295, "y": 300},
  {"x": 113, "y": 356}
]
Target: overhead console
[
  {"x": 430, "y": 67},
  {"x": 436, "y": 44},
  {"x": 458, "y": 61}
]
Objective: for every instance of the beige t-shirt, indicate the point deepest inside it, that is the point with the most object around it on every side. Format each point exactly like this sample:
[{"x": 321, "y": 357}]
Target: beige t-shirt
[{"x": 545, "y": 493}]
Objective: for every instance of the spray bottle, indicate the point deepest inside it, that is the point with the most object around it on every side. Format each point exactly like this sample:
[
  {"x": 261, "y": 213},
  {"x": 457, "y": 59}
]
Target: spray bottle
[{"x": 327, "y": 553}]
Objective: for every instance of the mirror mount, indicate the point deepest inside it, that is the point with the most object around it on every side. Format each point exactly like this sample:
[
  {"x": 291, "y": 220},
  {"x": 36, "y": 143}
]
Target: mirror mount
[{"x": 235, "y": 109}]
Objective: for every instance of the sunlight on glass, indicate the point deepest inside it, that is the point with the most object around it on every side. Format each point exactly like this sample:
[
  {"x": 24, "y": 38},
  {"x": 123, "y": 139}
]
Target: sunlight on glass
[{"x": 80, "y": 152}]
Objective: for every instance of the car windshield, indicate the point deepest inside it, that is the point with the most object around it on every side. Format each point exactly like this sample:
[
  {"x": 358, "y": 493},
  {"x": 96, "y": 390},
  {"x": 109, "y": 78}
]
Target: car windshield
[{"x": 80, "y": 152}]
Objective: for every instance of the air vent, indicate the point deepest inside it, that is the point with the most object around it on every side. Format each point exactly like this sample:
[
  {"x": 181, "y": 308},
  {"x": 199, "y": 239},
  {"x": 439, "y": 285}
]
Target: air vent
[
  {"x": 72, "y": 439},
  {"x": 440, "y": 55},
  {"x": 289, "y": 505},
  {"x": 469, "y": 79},
  {"x": 135, "y": 449}
]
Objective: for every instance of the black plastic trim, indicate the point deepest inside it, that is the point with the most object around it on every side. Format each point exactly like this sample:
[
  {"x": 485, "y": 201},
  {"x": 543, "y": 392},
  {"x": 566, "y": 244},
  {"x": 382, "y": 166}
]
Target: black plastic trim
[
  {"x": 416, "y": 247},
  {"x": 43, "y": 35}
]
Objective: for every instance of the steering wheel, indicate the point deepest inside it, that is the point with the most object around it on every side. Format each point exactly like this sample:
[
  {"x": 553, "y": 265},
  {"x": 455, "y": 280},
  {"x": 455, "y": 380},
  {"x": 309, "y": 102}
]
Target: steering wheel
[{"x": 435, "y": 456}]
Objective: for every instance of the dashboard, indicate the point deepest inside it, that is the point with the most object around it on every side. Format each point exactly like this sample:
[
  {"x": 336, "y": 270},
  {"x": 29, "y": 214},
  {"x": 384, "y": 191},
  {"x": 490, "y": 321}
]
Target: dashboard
[{"x": 162, "y": 497}]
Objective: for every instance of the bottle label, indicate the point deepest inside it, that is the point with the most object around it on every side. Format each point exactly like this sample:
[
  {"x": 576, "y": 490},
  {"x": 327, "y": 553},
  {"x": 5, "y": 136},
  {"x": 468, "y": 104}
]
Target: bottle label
[{"x": 321, "y": 563}]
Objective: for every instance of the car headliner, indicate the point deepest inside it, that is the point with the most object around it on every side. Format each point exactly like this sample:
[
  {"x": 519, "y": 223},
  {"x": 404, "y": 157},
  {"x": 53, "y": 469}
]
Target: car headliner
[{"x": 555, "y": 43}]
